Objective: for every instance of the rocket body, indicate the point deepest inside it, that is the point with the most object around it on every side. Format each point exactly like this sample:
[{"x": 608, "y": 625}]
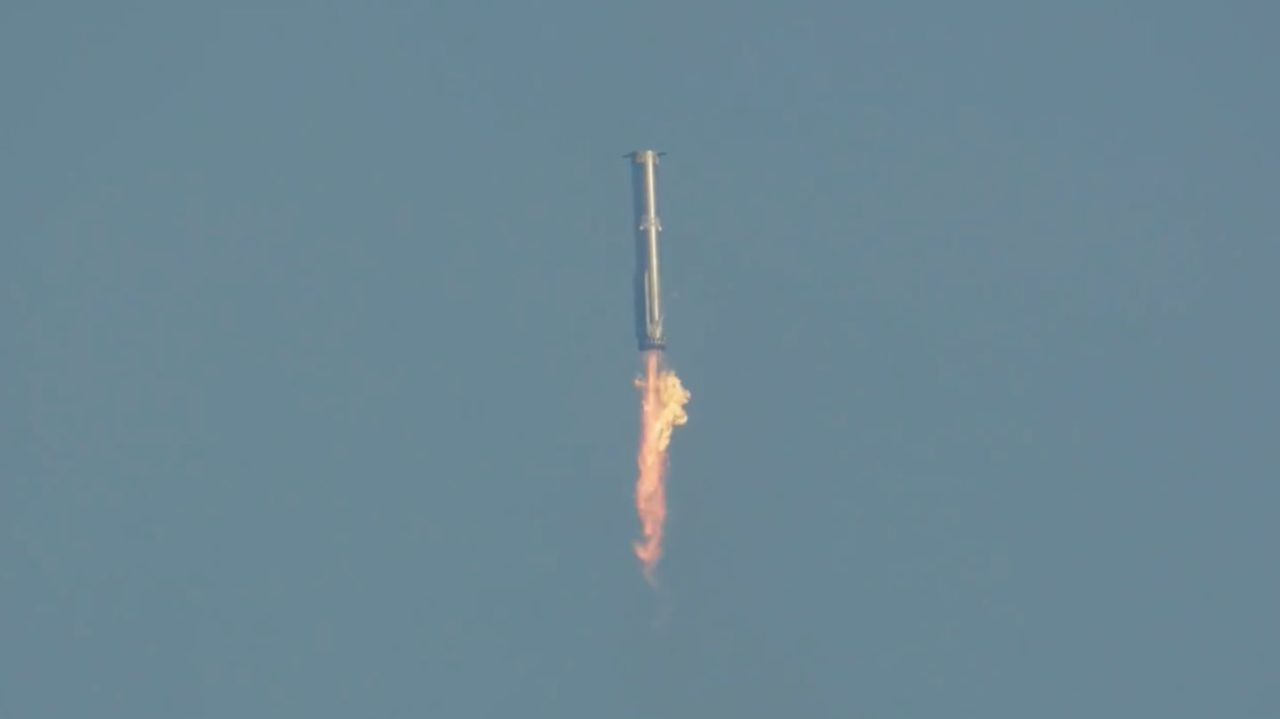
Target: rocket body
[{"x": 648, "y": 285}]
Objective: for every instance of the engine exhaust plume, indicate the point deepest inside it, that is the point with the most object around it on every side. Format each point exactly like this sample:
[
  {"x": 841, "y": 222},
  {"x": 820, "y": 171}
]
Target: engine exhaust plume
[{"x": 661, "y": 410}]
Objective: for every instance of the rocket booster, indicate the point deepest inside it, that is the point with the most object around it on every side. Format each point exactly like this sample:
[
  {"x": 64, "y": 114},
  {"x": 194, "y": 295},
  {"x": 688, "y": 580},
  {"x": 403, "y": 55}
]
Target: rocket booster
[{"x": 648, "y": 287}]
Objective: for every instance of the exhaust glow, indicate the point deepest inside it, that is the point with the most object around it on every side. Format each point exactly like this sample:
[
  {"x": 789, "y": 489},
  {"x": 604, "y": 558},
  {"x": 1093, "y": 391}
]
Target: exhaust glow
[{"x": 661, "y": 410}]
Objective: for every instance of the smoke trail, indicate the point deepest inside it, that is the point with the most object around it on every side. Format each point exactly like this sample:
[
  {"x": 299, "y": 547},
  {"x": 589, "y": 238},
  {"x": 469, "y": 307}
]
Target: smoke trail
[{"x": 661, "y": 411}]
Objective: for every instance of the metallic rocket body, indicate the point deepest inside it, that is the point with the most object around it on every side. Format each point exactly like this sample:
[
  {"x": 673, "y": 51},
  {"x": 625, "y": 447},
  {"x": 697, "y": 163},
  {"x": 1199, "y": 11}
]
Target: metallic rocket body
[{"x": 648, "y": 286}]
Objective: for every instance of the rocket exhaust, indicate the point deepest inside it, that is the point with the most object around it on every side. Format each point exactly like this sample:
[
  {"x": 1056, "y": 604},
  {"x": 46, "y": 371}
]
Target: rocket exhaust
[{"x": 662, "y": 401}]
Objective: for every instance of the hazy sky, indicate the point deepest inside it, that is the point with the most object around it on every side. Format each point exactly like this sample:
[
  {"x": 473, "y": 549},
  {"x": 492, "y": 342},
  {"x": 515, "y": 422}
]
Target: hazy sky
[{"x": 318, "y": 354}]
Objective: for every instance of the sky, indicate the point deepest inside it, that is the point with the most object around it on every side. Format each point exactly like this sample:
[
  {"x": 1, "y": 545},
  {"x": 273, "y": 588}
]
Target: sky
[{"x": 318, "y": 355}]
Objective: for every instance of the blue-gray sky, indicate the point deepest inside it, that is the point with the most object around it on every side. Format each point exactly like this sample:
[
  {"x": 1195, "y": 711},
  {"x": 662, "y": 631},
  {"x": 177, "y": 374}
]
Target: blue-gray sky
[{"x": 318, "y": 353}]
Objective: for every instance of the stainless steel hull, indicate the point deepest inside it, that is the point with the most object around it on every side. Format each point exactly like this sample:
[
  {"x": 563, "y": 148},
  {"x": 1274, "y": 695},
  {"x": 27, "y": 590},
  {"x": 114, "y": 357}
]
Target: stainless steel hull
[{"x": 648, "y": 284}]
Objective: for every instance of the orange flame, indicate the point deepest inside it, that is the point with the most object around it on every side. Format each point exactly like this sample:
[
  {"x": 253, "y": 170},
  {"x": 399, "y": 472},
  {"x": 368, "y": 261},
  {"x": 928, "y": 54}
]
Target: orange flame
[{"x": 661, "y": 411}]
